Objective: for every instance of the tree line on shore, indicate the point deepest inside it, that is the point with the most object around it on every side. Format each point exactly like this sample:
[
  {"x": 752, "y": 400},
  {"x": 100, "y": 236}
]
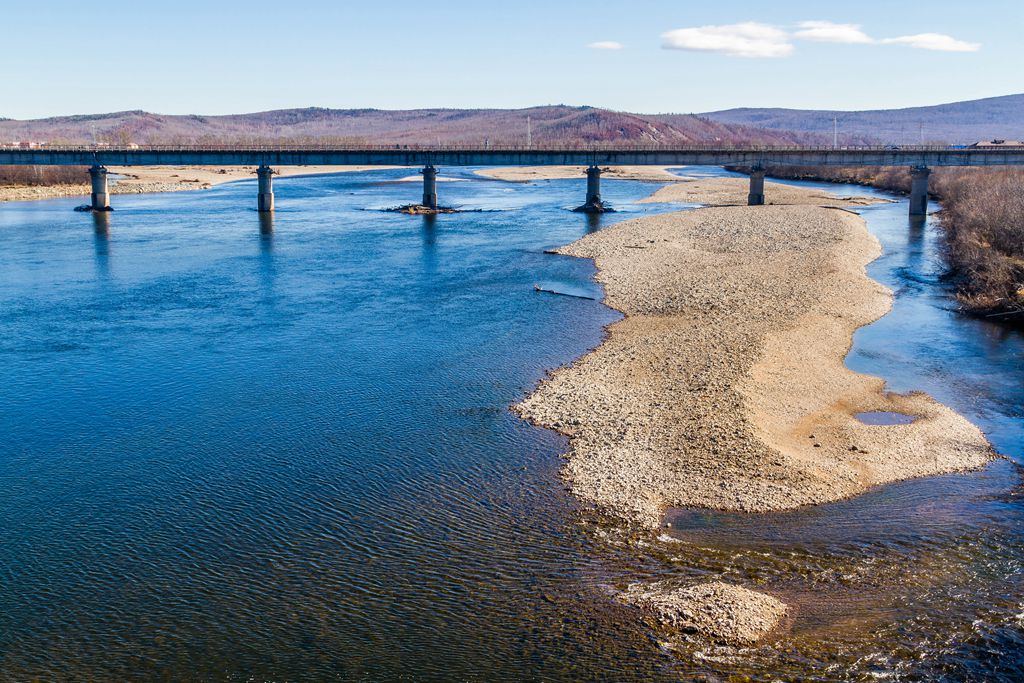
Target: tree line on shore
[
  {"x": 40, "y": 176},
  {"x": 556, "y": 125}
]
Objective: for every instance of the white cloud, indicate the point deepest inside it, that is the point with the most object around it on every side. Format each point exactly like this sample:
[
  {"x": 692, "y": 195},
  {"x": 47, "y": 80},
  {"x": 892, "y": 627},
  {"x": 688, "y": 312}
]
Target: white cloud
[
  {"x": 753, "y": 39},
  {"x": 934, "y": 41},
  {"x": 828, "y": 32},
  {"x": 749, "y": 39},
  {"x": 606, "y": 45}
]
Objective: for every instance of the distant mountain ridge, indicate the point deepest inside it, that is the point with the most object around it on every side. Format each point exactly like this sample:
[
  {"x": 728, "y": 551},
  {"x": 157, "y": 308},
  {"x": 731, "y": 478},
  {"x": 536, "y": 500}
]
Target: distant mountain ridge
[
  {"x": 557, "y": 124},
  {"x": 957, "y": 122}
]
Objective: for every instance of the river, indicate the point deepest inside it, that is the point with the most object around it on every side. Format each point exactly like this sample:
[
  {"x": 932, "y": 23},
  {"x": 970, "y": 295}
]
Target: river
[{"x": 241, "y": 447}]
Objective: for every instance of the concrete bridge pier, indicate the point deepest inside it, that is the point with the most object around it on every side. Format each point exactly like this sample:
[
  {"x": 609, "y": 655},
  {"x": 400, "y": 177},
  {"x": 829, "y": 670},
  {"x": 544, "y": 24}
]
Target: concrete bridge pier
[
  {"x": 919, "y": 190},
  {"x": 265, "y": 180},
  {"x": 593, "y": 203},
  {"x": 593, "y": 186},
  {"x": 100, "y": 199},
  {"x": 756, "y": 195},
  {"x": 429, "y": 186}
]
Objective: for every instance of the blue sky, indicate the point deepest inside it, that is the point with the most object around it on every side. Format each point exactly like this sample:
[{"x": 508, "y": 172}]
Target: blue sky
[{"x": 216, "y": 57}]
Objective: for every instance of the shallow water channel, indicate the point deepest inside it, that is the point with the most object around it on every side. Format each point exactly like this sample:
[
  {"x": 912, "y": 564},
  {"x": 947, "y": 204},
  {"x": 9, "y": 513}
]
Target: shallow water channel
[
  {"x": 918, "y": 580},
  {"x": 238, "y": 447}
]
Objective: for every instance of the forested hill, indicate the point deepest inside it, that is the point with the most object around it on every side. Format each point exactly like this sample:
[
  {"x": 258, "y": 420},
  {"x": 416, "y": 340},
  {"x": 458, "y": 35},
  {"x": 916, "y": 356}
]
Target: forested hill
[
  {"x": 959, "y": 122},
  {"x": 551, "y": 124}
]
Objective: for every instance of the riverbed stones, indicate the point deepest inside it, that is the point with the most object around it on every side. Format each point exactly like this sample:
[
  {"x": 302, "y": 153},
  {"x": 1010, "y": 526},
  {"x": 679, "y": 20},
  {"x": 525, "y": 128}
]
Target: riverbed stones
[
  {"x": 524, "y": 174},
  {"x": 715, "y": 611},
  {"x": 733, "y": 192},
  {"x": 737, "y": 321}
]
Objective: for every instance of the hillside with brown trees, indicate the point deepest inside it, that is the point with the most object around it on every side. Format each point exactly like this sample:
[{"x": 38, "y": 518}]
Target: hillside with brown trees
[{"x": 543, "y": 125}]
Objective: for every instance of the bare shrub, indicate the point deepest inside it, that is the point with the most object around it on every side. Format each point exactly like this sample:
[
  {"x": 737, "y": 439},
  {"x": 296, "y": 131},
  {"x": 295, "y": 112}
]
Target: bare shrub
[
  {"x": 889, "y": 178},
  {"x": 43, "y": 175},
  {"x": 983, "y": 219}
]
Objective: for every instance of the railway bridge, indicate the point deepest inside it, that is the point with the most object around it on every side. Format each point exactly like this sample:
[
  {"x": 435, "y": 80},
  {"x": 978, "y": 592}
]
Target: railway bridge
[{"x": 920, "y": 159}]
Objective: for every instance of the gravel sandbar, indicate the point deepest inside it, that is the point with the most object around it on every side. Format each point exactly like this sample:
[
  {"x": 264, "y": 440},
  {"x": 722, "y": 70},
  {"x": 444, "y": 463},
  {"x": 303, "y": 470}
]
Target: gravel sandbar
[
  {"x": 524, "y": 174},
  {"x": 724, "y": 385},
  {"x": 716, "y": 611},
  {"x": 733, "y": 192}
]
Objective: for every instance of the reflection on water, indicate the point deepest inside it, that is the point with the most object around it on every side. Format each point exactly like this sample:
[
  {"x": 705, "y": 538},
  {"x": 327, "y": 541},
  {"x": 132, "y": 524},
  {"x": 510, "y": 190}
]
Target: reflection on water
[
  {"x": 101, "y": 223},
  {"x": 297, "y": 460},
  {"x": 429, "y": 252},
  {"x": 266, "y": 226},
  {"x": 915, "y": 232},
  {"x": 101, "y": 232}
]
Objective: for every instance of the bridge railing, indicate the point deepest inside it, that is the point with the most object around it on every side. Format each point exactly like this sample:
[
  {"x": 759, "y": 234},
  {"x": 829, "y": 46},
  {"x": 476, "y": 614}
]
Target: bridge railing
[{"x": 476, "y": 148}]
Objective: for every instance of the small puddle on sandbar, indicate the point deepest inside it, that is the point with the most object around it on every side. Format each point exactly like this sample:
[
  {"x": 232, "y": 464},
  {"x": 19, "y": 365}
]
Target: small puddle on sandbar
[{"x": 885, "y": 417}]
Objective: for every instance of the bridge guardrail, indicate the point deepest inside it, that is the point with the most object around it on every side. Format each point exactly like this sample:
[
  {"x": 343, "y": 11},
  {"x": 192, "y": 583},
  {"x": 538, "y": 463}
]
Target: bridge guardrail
[{"x": 504, "y": 148}]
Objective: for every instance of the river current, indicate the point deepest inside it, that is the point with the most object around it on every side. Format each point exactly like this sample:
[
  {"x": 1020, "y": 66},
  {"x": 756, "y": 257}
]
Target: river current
[{"x": 239, "y": 447}]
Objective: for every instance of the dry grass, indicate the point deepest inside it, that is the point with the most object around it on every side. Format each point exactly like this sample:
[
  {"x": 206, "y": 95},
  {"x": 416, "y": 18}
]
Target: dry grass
[
  {"x": 889, "y": 178},
  {"x": 983, "y": 218},
  {"x": 34, "y": 176}
]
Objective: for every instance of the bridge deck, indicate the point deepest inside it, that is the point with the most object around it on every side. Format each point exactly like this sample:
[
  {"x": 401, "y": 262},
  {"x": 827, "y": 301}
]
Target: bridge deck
[{"x": 457, "y": 156}]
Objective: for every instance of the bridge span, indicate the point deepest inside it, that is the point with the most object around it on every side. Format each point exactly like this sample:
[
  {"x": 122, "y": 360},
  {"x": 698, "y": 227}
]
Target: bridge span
[{"x": 920, "y": 159}]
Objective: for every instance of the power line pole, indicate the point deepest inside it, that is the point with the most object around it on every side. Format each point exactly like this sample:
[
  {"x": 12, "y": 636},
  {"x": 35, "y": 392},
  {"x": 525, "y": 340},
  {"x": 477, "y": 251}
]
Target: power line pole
[
  {"x": 835, "y": 132},
  {"x": 529, "y": 133}
]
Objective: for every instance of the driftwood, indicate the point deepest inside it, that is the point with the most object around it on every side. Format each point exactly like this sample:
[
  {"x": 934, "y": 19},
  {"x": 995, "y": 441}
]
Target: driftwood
[
  {"x": 538, "y": 288},
  {"x": 420, "y": 210}
]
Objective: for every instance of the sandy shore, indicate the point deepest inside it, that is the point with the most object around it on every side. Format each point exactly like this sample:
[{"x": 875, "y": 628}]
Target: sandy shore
[
  {"x": 684, "y": 190},
  {"x": 147, "y": 179},
  {"x": 733, "y": 192},
  {"x": 724, "y": 386},
  {"x": 524, "y": 174}
]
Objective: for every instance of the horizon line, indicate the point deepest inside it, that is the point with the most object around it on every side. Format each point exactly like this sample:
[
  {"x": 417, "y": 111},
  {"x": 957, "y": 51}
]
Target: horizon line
[{"x": 502, "y": 109}]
